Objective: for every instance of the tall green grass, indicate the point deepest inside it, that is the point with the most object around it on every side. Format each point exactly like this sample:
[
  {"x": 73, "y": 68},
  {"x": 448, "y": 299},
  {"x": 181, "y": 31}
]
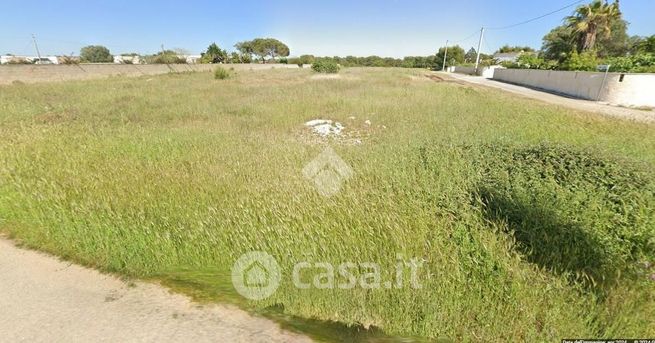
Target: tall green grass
[{"x": 533, "y": 221}]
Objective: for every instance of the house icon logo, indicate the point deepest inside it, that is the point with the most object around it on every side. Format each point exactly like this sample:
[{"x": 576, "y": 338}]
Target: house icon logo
[
  {"x": 327, "y": 171},
  {"x": 256, "y": 275}
]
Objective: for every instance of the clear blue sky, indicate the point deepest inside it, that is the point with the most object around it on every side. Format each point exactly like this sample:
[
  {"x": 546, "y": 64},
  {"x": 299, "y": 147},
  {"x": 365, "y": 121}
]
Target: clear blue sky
[{"x": 383, "y": 27}]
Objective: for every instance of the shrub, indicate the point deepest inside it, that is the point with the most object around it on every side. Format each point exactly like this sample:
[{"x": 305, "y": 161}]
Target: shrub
[
  {"x": 586, "y": 61},
  {"x": 165, "y": 57},
  {"x": 69, "y": 60},
  {"x": 325, "y": 66},
  {"x": 235, "y": 58},
  {"x": 96, "y": 54},
  {"x": 571, "y": 211},
  {"x": 221, "y": 73},
  {"x": 530, "y": 61},
  {"x": 306, "y": 59},
  {"x": 245, "y": 58},
  {"x": 18, "y": 60},
  {"x": 214, "y": 54},
  {"x": 640, "y": 63},
  {"x": 646, "y": 45}
]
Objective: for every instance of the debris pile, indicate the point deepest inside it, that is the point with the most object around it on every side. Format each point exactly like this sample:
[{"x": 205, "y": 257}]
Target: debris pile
[{"x": 325, "y": 127}]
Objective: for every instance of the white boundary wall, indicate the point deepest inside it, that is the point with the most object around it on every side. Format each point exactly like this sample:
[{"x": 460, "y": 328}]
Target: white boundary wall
[
  {"x": 486, "y": 72},
  {"x": 633, "y": 90}
]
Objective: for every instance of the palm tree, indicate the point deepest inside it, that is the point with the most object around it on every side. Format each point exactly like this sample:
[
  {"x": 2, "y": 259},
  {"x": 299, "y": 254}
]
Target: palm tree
[{"x": 590, "y": 20}]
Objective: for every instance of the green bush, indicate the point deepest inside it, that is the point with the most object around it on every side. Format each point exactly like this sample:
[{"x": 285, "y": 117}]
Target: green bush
[
  {"x": 96, "y": 54},
  {"x": 221, "y": 73},
  {"x": 527, "y": 61},
  {"x": 165, "y": 57},
  {"x": 325, "y": 66},
  {"x": 214, "y": 54},
  {"x": 307, "y": 59},
  {"x": 640, "y": 63},
  {"x": 571, "y": 211},
  {"x": 586, "y": 61}
]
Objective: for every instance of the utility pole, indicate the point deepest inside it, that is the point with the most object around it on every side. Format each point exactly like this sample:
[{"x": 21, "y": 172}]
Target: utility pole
[
  {"x": 477, "y": 59},
  {"x": 602, "y": 85},
  {"x": 164, "y": 59},
  {"x": 443, "y": 68},
  {"x": 36, "y": 46}
]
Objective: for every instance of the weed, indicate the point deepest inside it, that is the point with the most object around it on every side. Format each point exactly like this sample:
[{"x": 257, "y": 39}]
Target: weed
[{"x": 221, "y": 73}]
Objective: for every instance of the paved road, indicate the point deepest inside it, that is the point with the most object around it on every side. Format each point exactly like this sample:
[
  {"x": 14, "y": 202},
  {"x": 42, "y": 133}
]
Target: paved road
[
  {"x": 578, "y": 104},
  {"x": 43, "y": 299}
]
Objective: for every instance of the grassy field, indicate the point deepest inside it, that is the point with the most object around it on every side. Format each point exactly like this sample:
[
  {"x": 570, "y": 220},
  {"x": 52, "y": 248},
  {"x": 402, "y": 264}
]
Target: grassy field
[{"x": 535, "y": 222}]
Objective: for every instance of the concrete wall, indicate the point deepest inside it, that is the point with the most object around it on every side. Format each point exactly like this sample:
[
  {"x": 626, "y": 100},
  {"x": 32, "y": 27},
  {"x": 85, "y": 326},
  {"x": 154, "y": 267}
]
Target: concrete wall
[
  {"x": 487, "y": 72},
  {"x": 464, "y": 70},
  {"x": 48, "y": 73},
  {"x": 635, "y": 90}
]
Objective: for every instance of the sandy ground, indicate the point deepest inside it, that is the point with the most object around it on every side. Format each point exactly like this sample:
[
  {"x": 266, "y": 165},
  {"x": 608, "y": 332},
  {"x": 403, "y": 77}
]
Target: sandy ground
[
  {"x": 578, "y": 104},
  {"x": 44, "y": 299}
]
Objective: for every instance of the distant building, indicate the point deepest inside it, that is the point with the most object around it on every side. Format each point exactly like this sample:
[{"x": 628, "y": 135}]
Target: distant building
[
  {"x": 4, "y": 59},
  {"x": 9, "y": 59},
  {"x": 127, "y": 59},
  {"x": 191, "y": 59},
  {"x": 507, "y": 56}
]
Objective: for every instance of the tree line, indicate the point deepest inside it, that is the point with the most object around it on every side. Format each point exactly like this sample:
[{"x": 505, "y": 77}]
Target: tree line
[
  {"x": 259, "y": 49},
  {"x": 270, "y": 50},
  {"x": 595, "y": 33}
]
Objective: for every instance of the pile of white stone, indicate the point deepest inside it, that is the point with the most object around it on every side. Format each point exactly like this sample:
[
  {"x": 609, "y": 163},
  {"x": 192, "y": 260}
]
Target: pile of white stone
[{"x": 325, "y": 127}]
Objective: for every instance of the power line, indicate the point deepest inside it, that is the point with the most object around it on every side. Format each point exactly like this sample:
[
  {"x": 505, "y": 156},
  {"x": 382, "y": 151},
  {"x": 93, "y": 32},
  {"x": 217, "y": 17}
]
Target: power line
[
  {"x": 25, "y": 50},
  {"x": 486, "y": 44},
  {"x": 467, "y": 38},
  {"x": 536, "y": 18}
]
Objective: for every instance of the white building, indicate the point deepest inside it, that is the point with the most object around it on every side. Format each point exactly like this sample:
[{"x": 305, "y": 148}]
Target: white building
[
  {"x": 127, "y": 59},
  {"x": 191, "y": 59},
  {"x": 507, "y": 56},
  {"x": 6, "y": 59}
]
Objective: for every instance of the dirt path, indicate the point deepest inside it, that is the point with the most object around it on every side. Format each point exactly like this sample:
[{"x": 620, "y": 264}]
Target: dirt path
[
  {"x": 578, "y": 104},
  {"x": 44, "y": 299}
]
